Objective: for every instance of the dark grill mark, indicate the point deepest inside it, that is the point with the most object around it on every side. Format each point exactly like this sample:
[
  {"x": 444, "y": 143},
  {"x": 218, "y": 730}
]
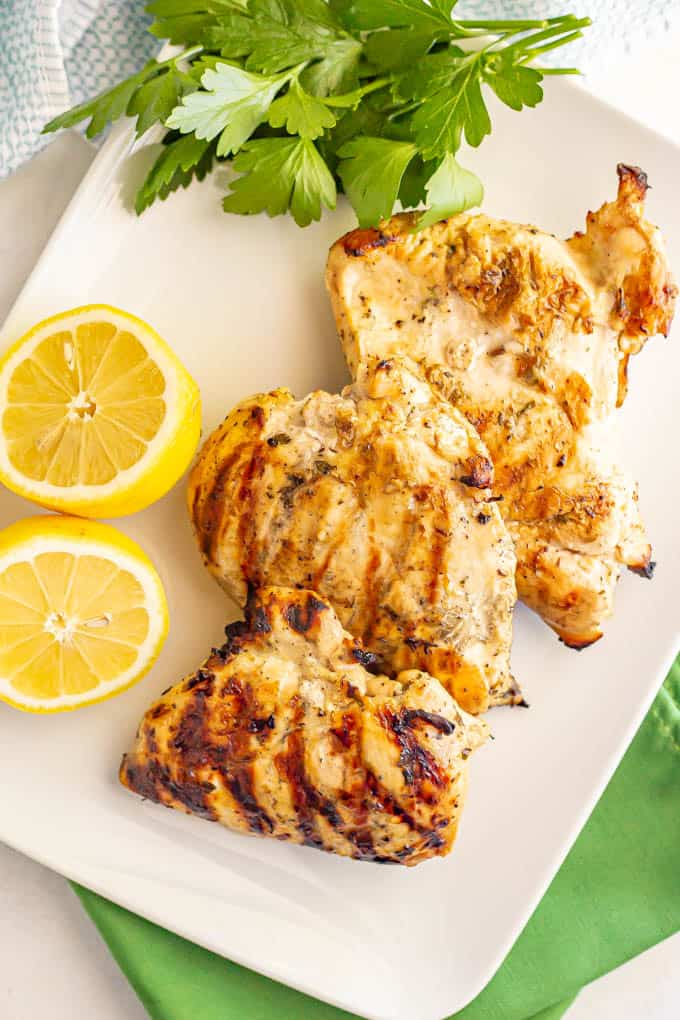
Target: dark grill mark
[
  {"x": 207, "y": 521},
  {"x": 192, "y": 795},
  {"x": 306, "y": 799},
  {"x": 409, "y": 715},
  {"x": 234, "y": 632},
  {"x": 367, "y": 659},
  {"x": 308, "y": 802},
  {"x": 203, "y": 678},
  {"x": 151, "y": 742},
  {"x": 231, "y": 760},
  {"x": 644, "y": 569},
  {"x": 257, "y": 414},
  {"x": 433, "y": 840},
  {"x": 419, "y": 768},
  {"x": 360, "y": 241},
  {"x": 330, "y": 813},
  {"x": 346, "y": 733},
  {"x": 405, "y": 851},
  {"x": 423, "y": 836},
  {"x": 480, "y": 473},
  {"x": 625, "y": 170},
  {"x": 240, "y": 783},
  {"x": 258, "y": 725},
  {"x": 151, "y": 778},
  {"x": 280, "y": 439},
  {"x": 246, "y": 502},
  {"x": 189, "y": 739},
  {"x": 259, "y": 621},
  {"x": 363, "y": 841},
  {"x": 416, "y": 644},
  {"x": 384, "y": 801},
  {"x": 302, "y": 617}
]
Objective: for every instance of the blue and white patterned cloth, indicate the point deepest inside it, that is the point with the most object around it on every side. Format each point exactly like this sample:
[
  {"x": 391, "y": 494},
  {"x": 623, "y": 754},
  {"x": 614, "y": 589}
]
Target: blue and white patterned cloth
[{"x": 55, "y": 53}]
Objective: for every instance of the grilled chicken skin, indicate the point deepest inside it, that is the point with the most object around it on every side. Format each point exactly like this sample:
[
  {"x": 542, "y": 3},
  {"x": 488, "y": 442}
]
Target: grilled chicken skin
[
  {"x": 377, "y": 498},
  {"x": 529, "y": 337},
  {"x": 283, "y": 732}
]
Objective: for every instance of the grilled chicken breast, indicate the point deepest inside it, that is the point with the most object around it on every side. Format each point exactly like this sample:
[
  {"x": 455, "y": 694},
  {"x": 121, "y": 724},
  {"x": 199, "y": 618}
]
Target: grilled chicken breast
[
  {"x": 529, "y": 337},
  {"x": 283, "y": 732},
  {"x": 379, "y": 499}
]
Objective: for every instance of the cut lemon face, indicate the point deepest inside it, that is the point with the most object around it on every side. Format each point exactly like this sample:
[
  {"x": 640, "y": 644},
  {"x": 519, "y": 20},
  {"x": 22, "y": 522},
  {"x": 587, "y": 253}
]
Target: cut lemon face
[
  {"x": 98, "y": 417},
  {"x": 83, "y": 614}
]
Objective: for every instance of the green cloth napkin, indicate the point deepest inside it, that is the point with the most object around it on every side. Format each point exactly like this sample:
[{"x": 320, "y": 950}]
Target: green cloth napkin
[{"x": 616, "y": 894}]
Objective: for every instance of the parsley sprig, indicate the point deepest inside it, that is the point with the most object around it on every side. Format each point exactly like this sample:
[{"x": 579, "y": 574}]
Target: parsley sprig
[{"x": 310, "y": 97}]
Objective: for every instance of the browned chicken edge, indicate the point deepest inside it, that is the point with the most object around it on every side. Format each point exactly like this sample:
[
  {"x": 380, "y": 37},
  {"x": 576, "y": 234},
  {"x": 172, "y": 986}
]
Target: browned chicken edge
[{"x": 360, "y": 765}]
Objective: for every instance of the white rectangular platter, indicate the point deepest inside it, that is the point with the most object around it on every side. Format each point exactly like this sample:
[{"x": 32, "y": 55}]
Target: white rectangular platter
[{"x": 243, "y": 303}]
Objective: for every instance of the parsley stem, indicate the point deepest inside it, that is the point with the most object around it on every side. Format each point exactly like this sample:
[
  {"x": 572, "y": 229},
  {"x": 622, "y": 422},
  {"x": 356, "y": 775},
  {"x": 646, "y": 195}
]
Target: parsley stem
[
  {"x": 558, "y": 70},
  {"x": 406, "y": 108},
  {"x": 187, "y": 54},
  {"x": 364, "y": 90},
  {"x": 501, "y": 26},
  {"x": 528, "y": 41},
  {"x": 536, "y": 51}
]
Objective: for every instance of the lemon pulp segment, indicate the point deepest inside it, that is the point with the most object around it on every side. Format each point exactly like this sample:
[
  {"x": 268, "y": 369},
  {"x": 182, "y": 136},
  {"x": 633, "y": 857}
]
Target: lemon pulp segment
[
  {"x": 82, "y": 613},
  {"x": 98, "y": 416}
]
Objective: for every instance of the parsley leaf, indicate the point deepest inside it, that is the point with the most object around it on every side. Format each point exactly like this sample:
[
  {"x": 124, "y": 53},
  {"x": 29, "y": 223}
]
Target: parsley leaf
[
  {"x": 367, "y": 14},
  {"x": 185, "y": 21},
  {"x": 371, "y": 170},
  {"x": 452, "y": 103},
  {"x": 337, "y": 71},
  {"x": 515, "y": 85},
  {"x": 173, "y": 8},
  {"x": 451, "y": 189},
  {"x": 155, "y": 100},
  {"x": 231, "y": 104},
  {"x": 373, "y": 96},
  {"x": 180, "y": 161},
  {"x": 399, "y": 49},
  {"x": 300, "y": 113},
  {"x": 104, "y": 108},
  {"x": 281, "y": 174},
  {"x": 276, "y": 34},
  {"x": 412, "y": 190}
]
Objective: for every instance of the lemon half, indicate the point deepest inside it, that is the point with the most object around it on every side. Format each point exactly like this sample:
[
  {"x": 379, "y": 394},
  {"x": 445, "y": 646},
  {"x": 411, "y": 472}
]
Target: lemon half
[
  {"x": 98, "y": 417},
  {"x": 83, "y": 614}
]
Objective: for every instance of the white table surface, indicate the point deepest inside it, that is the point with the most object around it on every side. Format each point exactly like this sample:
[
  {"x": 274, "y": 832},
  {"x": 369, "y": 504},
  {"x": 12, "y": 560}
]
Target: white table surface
[{"x": 53, "y": 964}]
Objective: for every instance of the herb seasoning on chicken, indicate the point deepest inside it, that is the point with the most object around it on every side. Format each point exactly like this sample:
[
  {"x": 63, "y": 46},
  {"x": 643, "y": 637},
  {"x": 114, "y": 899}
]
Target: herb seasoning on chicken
[
  {"x": 379, "y": 499},
  {"x": 529, "y": 337},
  {"x": 283, "y": 732}
]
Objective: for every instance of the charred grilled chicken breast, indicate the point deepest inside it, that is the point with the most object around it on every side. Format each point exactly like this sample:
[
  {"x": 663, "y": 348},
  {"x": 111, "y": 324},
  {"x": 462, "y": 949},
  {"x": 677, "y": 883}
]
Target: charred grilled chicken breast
[
  {"x": 379, "y": 499},
  {"x": 529, "y": 336},
  {"x": 283, "y": 732}
]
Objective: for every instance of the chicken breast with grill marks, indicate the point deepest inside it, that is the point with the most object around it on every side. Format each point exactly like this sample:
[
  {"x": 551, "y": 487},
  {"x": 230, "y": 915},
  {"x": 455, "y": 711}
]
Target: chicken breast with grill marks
[
  {"x": 283, "y": 732},
  {"x": 529, "y": 337},
  {"x": 379, "y": 499}
]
